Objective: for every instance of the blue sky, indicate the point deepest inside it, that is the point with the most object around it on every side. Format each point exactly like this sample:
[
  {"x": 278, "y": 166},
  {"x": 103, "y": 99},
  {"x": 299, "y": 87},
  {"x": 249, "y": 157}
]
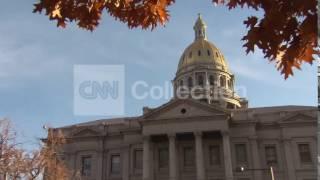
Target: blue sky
[{"x": 37, "y": 59}]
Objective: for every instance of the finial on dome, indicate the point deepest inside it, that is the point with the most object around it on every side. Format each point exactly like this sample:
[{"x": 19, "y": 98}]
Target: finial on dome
[{"x": 200, "y": 28}]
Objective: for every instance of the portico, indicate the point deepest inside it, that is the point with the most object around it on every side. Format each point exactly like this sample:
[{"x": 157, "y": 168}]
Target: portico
[
  {"x": 200, "y": 165},
  {"x": 196, "y": 128}
]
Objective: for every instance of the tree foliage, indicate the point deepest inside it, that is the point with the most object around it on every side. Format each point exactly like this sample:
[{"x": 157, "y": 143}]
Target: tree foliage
[
  {"x": 286, "y": 34},
  {"x": 87, "y": 13},
  {"x": 50, "y": 157},
  {"x": 17, "y": 163}
]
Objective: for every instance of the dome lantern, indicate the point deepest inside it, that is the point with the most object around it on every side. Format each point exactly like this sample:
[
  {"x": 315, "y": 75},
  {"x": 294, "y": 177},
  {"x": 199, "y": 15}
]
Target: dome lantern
[{"x": 200, "y": 28}]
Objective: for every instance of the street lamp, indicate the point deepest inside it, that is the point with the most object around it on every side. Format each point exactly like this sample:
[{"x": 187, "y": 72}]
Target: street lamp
[{"x": 270, "y": 169}]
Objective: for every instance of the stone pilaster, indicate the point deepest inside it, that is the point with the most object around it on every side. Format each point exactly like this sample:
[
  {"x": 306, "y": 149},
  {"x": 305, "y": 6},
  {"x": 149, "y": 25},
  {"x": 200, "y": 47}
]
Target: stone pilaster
[
  {"x": 125, "y": 162},
  {"x": 146, "y": 158},
  {"x": 256, "y": 158},
  {"x": 289, "y": 159},
  {"x": 227, "y": 155},
  {"x": 199, "y": 156},
  {"x": 172, "y": 157}
]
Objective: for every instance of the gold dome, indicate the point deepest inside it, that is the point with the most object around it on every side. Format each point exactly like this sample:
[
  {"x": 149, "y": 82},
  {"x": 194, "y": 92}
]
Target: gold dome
[{"x": 203, "y": 52}]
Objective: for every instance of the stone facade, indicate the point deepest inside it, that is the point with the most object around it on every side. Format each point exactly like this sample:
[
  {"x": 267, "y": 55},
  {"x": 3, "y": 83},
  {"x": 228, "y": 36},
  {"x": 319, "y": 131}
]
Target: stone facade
[
  {"x": 188, "y": 139},
  {"x": 200, "y": 129}
]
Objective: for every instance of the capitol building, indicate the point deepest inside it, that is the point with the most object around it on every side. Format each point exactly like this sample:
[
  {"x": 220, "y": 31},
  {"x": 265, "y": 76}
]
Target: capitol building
[{"x": 205, "y": 132}]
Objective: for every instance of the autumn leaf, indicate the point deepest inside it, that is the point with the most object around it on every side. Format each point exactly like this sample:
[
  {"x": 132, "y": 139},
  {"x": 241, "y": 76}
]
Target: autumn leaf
[
  {"x": 286, "y": 34},
  {"x": 287, "y": 27}
]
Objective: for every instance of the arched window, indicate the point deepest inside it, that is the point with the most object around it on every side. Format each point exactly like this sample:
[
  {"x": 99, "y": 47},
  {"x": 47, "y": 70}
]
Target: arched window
[
  {"x": 229, "y": 84},
  {"x": 209, "y": 53},
  {"x": 199, "y": 53},
  {"x": 190, "y": 83},
  {"x": 217, "y": 54},
  {"x": 190, "y": 54},
  {"x": 181, "y": 82},
  {"x": 200, "y": 80},
  {"x": 211, "y": 80},
  {"x": 222, "y": 81}
]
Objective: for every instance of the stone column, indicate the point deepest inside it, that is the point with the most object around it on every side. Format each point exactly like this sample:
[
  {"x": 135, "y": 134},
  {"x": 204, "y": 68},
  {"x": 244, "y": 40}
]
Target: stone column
[
  {"x": 227, "y": 155},
  {"x": 256, "y": 158},
  {"x": 146, "y": 158},
  {"x": 199, "y": 156},
  {"x": 289, "y": 159},
  {"x": 172, "y": 157}
]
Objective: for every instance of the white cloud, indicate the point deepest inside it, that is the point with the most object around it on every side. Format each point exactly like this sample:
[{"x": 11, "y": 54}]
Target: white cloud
[{"x": 30, "y": 61}]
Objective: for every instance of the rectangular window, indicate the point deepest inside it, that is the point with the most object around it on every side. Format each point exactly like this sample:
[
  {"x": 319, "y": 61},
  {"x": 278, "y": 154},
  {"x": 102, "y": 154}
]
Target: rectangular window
[
  {"x": 86, "y": 165},
  {"x": 305, "y": 154},
  {"x": 241, "y": 154},
  {"x": 163, "y": 157},
  {"x": 214, "y": 152},
  {"x": 188, "y": 154},
  {"x": 115, "y": 164},
  {"x": 271, "y": 155},
  {"x": 138, "y": 158}
]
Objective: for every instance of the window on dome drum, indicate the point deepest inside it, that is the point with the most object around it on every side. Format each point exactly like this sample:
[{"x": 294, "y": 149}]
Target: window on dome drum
[
  {"x": 188, "y": 156},
  {"x": 204, "y": 100},
  {"x": 208, "y": 51},
  {"x": 222, "y": 81},
  {"x": 115, "y": 164},
  {"x": 138, "y": 158},
  {"x": 230, "y": 106},
  {"x": 190, "y": 83},
  {"x": 200, "y": 80},
  {"x": 229, "y": 83},
  {"x": 241, "y": 154},
  {"x": 190, "y": 54},
  {"x": 271, "y": 155},
  {"x": 86, "y": 165},
  {"x": 217, "y": 54},
  {"x": 304, "y": 152},
  {"x": 181, "y": 82},
  {"x": 163, "y": 157},
  {"x": 215, "y": 155},
  {"x": 211, "y": 80},
  {"x": 199, "y": 53}
]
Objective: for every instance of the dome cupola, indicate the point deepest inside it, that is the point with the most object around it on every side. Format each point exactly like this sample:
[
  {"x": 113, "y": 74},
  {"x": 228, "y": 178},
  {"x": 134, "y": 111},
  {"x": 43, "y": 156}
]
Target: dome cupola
[
  {"x": 200, "y": 28},
  {"x": 203, "y": 72}
]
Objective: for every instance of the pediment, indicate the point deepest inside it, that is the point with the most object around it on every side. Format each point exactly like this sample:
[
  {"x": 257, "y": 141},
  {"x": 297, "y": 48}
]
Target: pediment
[
  {"x": 178, "y": 108},
  {"x": 298, "y": 118},
  {"x": 86, "y": 131}
]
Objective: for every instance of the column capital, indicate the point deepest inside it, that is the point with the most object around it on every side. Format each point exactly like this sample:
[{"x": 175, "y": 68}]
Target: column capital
[
  {"x": 171, "y": 135},
  {"x": 225, "y": 133},
  {"x": 198, "y": 133},
  {"x": 253, "y": 138},
  {"x": 286, "y": 139},
  {"x": 146, "y": 138}
]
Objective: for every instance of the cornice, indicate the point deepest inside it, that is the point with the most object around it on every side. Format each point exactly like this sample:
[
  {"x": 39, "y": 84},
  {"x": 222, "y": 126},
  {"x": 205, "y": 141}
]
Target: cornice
[{"x": 184, "y": 119}]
